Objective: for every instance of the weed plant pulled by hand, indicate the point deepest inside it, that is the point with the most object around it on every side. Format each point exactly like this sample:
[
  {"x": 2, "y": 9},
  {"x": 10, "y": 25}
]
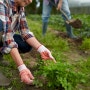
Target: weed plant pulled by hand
[{"x": 58, "y": 76}]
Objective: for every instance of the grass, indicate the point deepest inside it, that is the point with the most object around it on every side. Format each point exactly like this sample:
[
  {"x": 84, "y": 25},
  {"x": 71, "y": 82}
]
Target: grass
[{"x": 60, "y": 48}]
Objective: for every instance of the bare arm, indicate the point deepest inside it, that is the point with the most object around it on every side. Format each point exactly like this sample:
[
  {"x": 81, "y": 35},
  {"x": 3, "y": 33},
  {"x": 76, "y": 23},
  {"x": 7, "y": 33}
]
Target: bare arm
[
  {"x": 33, "y": 42},
  {"x": 44, "y": 52},
  {"x": 16, "y": 56},
  {"x": 25, "y": 74},
  {"x": 59, "y": 5}
]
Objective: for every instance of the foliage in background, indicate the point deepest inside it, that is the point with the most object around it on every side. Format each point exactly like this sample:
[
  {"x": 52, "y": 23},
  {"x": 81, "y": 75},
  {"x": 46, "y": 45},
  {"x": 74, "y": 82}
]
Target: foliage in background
[
  {"x": 31, "y": 8},
  {"x": 56, "y": 22},
  {"x": 84, "y": 32},
  {"x": 85, "y": 44}
]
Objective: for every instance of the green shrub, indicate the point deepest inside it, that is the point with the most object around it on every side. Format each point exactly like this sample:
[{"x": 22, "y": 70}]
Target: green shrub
[
  {"x": 60, "y": 76},
  {"x": 85, "y": 44}
]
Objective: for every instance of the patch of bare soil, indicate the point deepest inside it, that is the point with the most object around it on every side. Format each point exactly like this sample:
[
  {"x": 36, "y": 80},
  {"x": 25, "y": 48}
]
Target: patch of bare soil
[
  {"x": 60, "y": 34},
  {"x": 74, "y": 44},
  {"x": 31, "y": 88},
  {"x": 83, "y": 87},
  {"x": 64, "y": 35},
  {"x": 31, "y": 58}
]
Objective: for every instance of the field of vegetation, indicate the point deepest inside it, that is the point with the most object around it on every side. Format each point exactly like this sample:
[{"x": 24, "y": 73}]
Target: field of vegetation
[{"x": 72, "y": 70}]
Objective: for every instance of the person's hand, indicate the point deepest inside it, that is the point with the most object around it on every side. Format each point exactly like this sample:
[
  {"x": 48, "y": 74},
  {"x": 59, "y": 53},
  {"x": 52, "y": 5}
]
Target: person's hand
[
  {"x": 59, "y": 5},
  {"x": 28, "y": 1},
  {"x": 45, "y": 53},
  {"x": 22, "y": 3},
  {"x": 26, "y": 75}
]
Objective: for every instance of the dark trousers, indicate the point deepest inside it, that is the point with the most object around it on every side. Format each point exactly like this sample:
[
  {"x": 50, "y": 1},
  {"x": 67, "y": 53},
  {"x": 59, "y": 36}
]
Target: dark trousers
[{"x": 23, "y": 46}]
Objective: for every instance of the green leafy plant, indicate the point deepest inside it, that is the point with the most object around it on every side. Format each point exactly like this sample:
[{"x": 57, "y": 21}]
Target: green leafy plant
[
  {"x": 85, "y": 44},
  {"x": 59, "y": 76}
]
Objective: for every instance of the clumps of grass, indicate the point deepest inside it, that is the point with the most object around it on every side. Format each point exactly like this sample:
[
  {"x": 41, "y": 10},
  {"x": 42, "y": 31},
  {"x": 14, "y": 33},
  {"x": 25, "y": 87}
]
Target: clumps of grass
[
  {"x": 59, "y": 76},
  {"x": 85, "y": 44}
]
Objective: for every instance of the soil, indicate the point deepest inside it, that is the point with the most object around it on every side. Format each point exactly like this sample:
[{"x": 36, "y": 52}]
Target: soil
[
  {"x": 73, "y": 43},
  {"x": 76, "y": 23},
  {"x": 64, "y": 35}
]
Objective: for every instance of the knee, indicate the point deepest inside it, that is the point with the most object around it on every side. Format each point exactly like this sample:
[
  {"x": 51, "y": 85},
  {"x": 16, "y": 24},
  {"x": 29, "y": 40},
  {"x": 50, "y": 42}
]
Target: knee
[
  {"x": 23, "y": 46},
  {"x": 45, "y": 18}
]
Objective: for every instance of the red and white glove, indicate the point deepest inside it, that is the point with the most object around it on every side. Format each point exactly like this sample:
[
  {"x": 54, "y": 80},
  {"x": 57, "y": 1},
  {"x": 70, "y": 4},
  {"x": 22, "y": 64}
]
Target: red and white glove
[
  {"x": 25, "y": 74},
  {"x": 45, "y": 53}
]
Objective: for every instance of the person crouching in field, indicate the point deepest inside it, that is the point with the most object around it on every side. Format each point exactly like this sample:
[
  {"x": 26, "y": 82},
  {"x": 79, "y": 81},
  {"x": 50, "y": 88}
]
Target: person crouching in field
[{"x": 12, "y": 18}]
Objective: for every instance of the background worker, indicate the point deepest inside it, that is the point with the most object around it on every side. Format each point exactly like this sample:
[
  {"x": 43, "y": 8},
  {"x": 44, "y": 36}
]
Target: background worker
[{"x": 47, "y": 7}]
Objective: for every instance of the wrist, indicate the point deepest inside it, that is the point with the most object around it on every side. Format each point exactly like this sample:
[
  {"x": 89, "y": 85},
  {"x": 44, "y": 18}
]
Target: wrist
[
  {"x": 38, "y": 47},
  {"x": 41, "y": 49},
  {"x": 22, "y": 67}
]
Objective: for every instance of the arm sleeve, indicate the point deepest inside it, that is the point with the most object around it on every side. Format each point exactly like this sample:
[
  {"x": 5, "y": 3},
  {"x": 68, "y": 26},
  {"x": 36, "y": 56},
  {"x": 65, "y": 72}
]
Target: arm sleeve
[
  {"x": 26, "y": 33},
  {"x": 7, "y": 37}
]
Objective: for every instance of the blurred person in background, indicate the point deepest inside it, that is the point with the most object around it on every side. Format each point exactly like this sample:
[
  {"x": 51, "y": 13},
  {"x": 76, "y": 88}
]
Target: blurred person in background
[{"x": 61, "y": 4}]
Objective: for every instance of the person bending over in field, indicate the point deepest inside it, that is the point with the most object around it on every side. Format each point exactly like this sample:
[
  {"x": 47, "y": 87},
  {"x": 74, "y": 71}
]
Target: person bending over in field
[{"x": 12, "y": 18}]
